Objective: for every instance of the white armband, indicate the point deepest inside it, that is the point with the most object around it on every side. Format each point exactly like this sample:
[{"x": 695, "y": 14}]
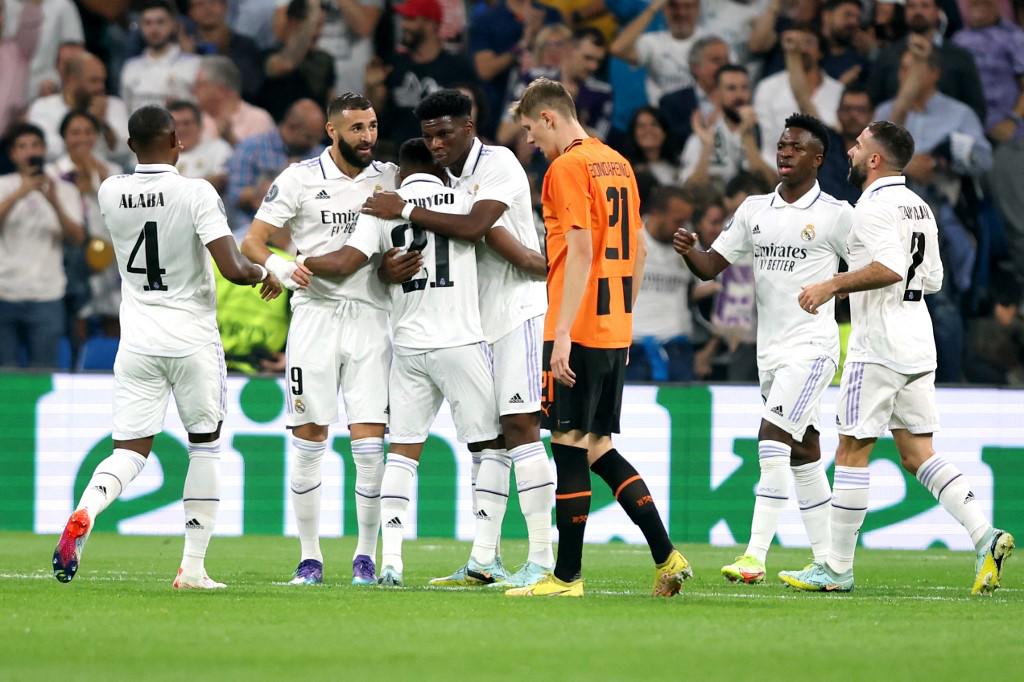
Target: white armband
[{"x": 263, "y": 272}]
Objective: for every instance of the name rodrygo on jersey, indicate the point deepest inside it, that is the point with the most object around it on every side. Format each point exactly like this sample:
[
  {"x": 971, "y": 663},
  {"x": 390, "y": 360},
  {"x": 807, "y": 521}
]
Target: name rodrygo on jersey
[
  {"x": 160, "y": 224},
  {"x": 439, "y": 306}
]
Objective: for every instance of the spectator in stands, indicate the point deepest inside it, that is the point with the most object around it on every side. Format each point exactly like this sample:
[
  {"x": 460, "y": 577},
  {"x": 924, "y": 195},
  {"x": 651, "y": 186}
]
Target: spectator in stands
[
  {"x": 299, "y": 69},
  {"x": 854, "y": 114},
  {"x": 254, "y": 19},
  {"x": 499, "y": 36},
  {"x": 733, "y": 21},
  {"x": 780, "y": 16},
  {"x": 651, "y": 147},
  {"x": 347, "y": 36},
  {"x": 211, "y": 34},
  {"x": 708, "y": 54},
  {"x": 840, "y": 22},
  {"x": 802, "y": 87},
  {"x": 207, "y": 159},
  {"x": 163, "y": 71},
  {"x": 61, "y": 24},
  {"x": 593, "y": 97},
  {"x": 725, "y": 141},
  {"x": 960, "y": 78},
  {"x": 421, "y": 69},
  {"x": 259, "y": 159},
  {"x": 84, "y": 87},
  {"x": 998, "y": 50},
  {"x": 16, "y": 54},
  {"x": 664, "y": 54},
  {"x": 218, "y": 91},
  {"x": 38, "y": 213},
  {"x": 662, "y": 322},
  {"x": 96, "y": 273},
  {"x": 549, "y": 48},
  {"x": 887, "y": 23},
  {"x": 995, "y": 344},
  {"x": 628, "y": 82}
]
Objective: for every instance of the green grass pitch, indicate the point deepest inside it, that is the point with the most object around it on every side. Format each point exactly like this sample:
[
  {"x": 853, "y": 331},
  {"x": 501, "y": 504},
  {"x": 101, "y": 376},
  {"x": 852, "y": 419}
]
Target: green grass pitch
[{"x": 911, "y": 618}]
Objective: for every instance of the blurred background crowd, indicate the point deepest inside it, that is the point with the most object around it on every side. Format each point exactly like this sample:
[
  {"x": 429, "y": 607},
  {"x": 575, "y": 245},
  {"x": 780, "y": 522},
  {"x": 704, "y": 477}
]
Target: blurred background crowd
[{"x": 693, "y": 92}]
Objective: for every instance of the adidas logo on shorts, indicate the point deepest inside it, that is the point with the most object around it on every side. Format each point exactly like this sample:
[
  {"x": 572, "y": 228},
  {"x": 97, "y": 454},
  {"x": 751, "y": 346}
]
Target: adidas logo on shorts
[
  {"x": 756, "y": 230},
  {"x": 516, "y": 399},
  {"x": 777, "y": 410},
  {"x": 970, "y": 496},
  {"x": 101, "y": 488},
  {"x": 394, "y": 523},
  {"x": 193, "y": 524},
  {"x": 322, "y": 194},
  {"x": 481, "y": 514}
]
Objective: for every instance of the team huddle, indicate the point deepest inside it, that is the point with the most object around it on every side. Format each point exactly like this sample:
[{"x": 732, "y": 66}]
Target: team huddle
[{"x": 425, "y": 282}]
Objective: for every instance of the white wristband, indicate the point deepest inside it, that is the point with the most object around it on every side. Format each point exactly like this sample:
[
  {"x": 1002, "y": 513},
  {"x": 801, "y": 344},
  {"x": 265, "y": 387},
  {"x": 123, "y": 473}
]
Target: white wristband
[
  {"x": 281, "y": 268},
  {"x": 301, "y": 259},
  {"x": 263, "y": 271},
  {"x": 407, "y": 210}
]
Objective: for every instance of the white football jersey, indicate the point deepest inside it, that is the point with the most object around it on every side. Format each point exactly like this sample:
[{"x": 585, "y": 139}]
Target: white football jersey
[
  {"x": 793, "y": 245},
  {"x": 320, "y": 205},
  {"x": 891, "y": 326},
  {"x": 160, "y": 224},
  {"x": 508, "y": 296},
  {"x": 440, "y": 306}
]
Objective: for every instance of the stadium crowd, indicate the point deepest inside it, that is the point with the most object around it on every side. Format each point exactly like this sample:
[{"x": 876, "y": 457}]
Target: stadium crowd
[{"x": 693, "y": 92}]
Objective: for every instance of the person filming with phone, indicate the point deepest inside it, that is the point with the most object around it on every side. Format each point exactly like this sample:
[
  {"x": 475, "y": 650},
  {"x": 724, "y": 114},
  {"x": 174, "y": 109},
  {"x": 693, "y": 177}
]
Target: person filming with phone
[{"x": 38, "y": 214}]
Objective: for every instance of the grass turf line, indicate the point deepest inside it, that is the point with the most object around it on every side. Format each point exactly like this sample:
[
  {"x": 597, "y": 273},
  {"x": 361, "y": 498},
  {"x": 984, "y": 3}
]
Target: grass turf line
[{"x": 910, "y": 618}]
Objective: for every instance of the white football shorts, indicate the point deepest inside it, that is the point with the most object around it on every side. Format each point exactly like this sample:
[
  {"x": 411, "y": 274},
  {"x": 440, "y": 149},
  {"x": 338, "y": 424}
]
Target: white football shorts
[
  {"x": 792, "y": 394},
  {"x": 143, "y": 383},
  {"x": 460, "y": 375},
  {"x": 332, "y": 345},
  {"x": 516, "y": 359},
  {"x": 873, "y": 398}
]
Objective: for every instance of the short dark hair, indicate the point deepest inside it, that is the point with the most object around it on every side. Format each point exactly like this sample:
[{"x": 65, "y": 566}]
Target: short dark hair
[
  {"x": 702, "y": 208},
  {"x": 809, "y": 29},
  {"x": 854, "y": 90},
  {"x": 661, "y": 197},
  {"x": 835, "y": 4},
  {"x": 183, "y": 105},
  {"x": 812, "y": 125},
  {"x": 347, "y": 102},
  {"x": 748, "y": 183},
  {"x": 414, "y": 153},
  {"x": 589, "y": 33},
  {"x": 447, "y": 102},
  {"x": 165, "y": 5},
  {"x": 77, "y": 113},
  {"x": 730, "y": 68},
  {"x": 894, "y": 139},
  {"x": 148, "y": 124},
  {"x": 20, "y": 130}
]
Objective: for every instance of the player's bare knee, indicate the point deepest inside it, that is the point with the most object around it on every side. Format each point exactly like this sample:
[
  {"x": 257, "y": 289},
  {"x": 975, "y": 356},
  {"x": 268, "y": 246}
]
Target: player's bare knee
[
  {"x": 807, "y": 450},
  {"x": 854, "y": 452},
  {"x": 914, "y": 449},
  {"x": 142, "y": 446},
  {"x": 598, "y": 447},
  {"x": 410, "y": 450},
  {"x": 520, "y": 429},
  {"x": 769, "y": 431},
  {"x": 359, "y": 431},
  {"x": 311, "y": 432}
]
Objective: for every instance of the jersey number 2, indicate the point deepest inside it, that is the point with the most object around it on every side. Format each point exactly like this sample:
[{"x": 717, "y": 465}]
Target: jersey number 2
[
  {"x": 619, "y": 217},
  {"x": 916, "y": 258},
  {"x": 152, "y": 270}
]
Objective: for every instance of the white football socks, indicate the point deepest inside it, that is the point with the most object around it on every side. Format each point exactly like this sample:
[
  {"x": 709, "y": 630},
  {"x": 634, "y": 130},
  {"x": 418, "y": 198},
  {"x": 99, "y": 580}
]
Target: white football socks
[
  {"x": 492, "y": 485},
  {"x": 813, "y": 494},
  {"x": 953, "y": 491},
  {"x": 109, "y": 480},
  {"x": 772, "y": 494},
  {"x": 306, "y": 490},
  {"x": 849, "y": 508},
  {"x": 368, "y": 455},
  {"x": 395, "y": 491},
  {"x": 535, "y": 481},
  {"x": 201, "y": 500}
]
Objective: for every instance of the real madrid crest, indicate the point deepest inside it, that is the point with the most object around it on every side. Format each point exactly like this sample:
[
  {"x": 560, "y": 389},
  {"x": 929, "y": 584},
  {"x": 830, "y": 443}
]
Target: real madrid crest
[
  {"x": 377, "y": 188},
  {"x": 808, "y": 234},
  {"x": 300, "y": 407}
]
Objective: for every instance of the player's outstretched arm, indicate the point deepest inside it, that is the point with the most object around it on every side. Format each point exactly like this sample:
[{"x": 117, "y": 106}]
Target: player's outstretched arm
[
  {"x": 238, "y": 269},
  {"x": 874, "y": 275},
  {"x": 340, "y": 263},
  {"x": 470, "y": 227},
  {"x": 512, "y": 250},
  {"x": 254, "y": 247},
  {"x": 705, "y": 264}
]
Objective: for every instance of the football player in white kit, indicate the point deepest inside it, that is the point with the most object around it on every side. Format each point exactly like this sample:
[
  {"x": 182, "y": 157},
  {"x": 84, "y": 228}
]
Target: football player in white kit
[
  {"x": 889, "y": 379},
  {"x": 338, "y": 337},
  {"x": 794, "y": 234},
  {"x": 440, "y": 351},
  {"x": 513, "y": 301},
  {"x": 164, "y": 228}
]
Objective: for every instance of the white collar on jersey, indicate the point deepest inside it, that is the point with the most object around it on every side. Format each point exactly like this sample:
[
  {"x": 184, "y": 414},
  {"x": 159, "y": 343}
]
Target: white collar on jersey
[
  {"x": 806, "y": 201},
  {"x": 885, "y": 181},
  {"x": 331, "y": 171},
  {"x": 151, "y": 168},
  {"x": 422, "y": 177},
  {"x": 472, "y": 160}
]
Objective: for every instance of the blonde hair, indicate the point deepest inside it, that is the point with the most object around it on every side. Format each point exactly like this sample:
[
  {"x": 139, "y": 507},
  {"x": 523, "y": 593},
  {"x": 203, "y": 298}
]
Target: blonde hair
[
  {"x": 554, "y": 33},
  {"x": 543, "y": 93}
]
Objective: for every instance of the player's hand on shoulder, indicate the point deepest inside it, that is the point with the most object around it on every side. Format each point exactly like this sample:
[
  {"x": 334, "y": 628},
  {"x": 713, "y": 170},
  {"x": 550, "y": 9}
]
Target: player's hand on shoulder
[
  {"x": 399, "y": 265},
  {"x": 384, "y": 205},
  {"x": 270, "y": 288},
  {"x": 683, "y": 241}
]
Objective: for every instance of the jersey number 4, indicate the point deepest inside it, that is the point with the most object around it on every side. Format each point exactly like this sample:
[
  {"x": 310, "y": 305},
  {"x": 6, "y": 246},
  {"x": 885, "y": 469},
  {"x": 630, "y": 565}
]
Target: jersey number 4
[
  {"x": 152, "y": 270},
  {"x": 442, "y": 276},
  {"x": 916, "y": 258}
]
